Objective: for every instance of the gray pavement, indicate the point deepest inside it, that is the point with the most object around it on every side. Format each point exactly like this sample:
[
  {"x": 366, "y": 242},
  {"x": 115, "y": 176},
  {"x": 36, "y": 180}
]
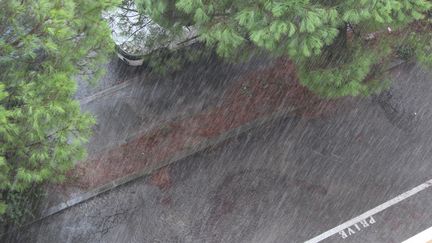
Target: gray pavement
[
  {"x": 148, "y": 100},
  {"x": 287, "y": 181},
  {"x": 116, "y": 72}
]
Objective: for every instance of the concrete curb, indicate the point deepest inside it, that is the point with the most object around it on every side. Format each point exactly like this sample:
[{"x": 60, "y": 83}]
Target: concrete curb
[
  {"x": 396, "y": 63},
  {"x": 129, "y": 82},
  {"x": 183, "y": 154},
  {"x": 105, "y": 92}
]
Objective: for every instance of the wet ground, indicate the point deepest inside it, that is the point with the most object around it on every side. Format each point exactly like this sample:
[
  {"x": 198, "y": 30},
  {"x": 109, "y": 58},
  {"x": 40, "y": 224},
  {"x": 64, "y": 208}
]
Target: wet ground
[
  {"x": 148, "y": 100},
  {"x": 287, "y": 181}
]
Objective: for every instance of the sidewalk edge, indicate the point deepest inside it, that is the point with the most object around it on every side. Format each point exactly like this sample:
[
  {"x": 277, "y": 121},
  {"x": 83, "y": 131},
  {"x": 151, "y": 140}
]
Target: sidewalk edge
[
  {"x": 183, "y": 154},
  {"x": 105, "y": 92}
]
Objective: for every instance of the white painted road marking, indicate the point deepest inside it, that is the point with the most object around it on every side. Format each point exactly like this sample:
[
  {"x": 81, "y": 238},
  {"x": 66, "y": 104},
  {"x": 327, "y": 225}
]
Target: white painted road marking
[
  {"x": 371, "y": 212},
  {"x": 423, "y": 237},
  {"x": 357, "y": 227}
]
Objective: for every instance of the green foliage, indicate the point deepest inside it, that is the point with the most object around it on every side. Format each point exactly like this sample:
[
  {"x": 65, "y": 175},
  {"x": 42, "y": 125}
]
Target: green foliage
[
  {"x": 405, "y": 52},
  {"x": 22, "y": 205},
  {"x": 300, "y": 29},
  {"x": 352, "y": 74},
  {"x": 419, "y": 43},
  {"x": 166, "y": 62},
  {"x": 44, "y": 44}
]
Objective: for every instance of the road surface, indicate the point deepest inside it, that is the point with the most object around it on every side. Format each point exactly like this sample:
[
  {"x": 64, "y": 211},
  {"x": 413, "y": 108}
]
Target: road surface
[{"x": 287, "y": 181}]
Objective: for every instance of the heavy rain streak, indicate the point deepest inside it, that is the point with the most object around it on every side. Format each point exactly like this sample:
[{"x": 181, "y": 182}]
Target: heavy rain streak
[{"x": 215, "y": 121}]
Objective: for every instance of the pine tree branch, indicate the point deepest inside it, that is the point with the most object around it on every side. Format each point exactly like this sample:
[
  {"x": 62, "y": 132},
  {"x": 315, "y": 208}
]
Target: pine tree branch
[
  {"x": 129, "y": 9},
  {"x": 34, "y": 30},
  {"x": 47, "y": 137},
  {"x": 38, "y": 142}
]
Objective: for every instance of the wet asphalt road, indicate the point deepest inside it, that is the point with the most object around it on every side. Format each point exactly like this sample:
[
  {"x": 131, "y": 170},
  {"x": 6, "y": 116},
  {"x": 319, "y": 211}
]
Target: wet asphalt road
[{"x": 287, "y": 181}]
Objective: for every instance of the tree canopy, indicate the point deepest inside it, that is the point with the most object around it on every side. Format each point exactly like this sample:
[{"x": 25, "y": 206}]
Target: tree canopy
[
  {"x": 44, "y": 45},
  {"x": 312, "y": 33}
]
